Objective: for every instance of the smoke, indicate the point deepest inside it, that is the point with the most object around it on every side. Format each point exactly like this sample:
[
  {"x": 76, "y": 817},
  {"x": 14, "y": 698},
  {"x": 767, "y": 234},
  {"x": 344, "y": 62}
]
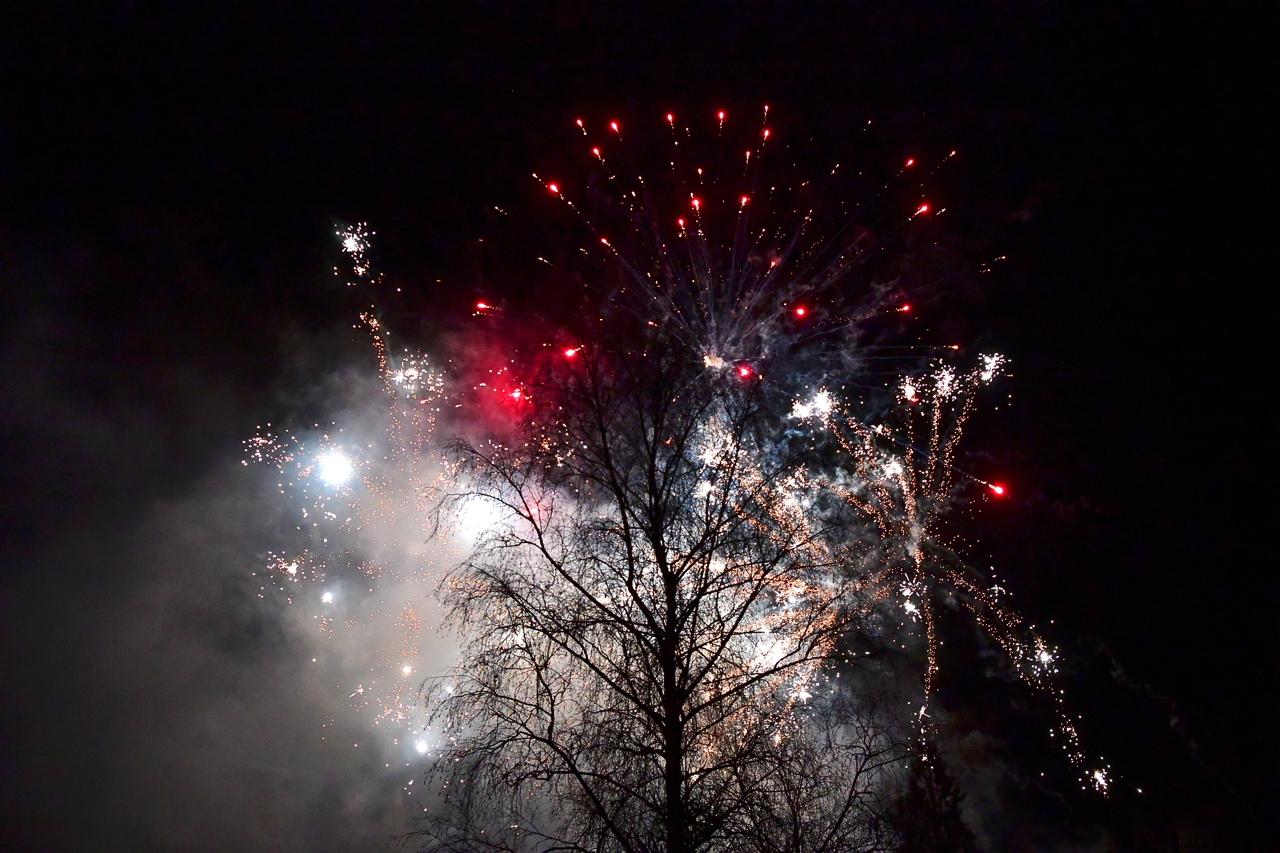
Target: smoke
[{"x": 167, "y": 693}]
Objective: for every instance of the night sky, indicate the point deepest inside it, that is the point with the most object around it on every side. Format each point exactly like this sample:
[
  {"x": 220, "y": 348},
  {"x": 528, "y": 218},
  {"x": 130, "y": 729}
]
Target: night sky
[{"x": 171, "y": 175}]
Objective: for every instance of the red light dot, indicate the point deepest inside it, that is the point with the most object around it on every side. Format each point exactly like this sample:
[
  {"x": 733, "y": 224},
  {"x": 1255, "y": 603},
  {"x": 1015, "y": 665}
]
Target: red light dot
[
  {"x": 766, "y": 134},
  {"x": 670, "y": 118},
  {"x": 696, "y": 203},
  {"x": 516, "y": 395},
  {"x": 579, "y": 122},
  {"x": 553, "y": 187},
  {"x": 614, "y": 125},
  {"x": 720, "y": 115},
  {"x": 570, "y": 353},
  {"x": 998, "y": 489},
  {"x": 924, "y": 208},
  {"x": 800, "y": 311},
  {"x": 745, "y": 200},
  {"x": 744, "y": 371},
  {"x": 680, "y": 222},
  {"x": 480, "y": 306},
  {"x": 905, "y": 308},
  {"x": 911, "y": 162}
]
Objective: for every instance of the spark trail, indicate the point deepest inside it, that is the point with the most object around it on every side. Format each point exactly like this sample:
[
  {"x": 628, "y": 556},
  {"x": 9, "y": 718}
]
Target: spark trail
[{"x": 774, "y": 282}]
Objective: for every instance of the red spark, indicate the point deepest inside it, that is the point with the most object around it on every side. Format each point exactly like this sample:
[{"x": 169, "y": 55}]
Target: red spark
[
  {"x": 720, "y": 115},
  {"x": 671, "y": 119},
  {"x": 745, "y": 371},
  {"x": 554, "y": 188},
  {"x": 680, "y": 222},
  {"x": 766, "y": 133},
  {"x": 570, "y": 353},
  {"x": 614, "y": 125},
  {"x": 997, "y": 488},
  {"x": 911, "y": 162},
  {"x": 580, "y": 123},
  {"x": 481, "y": 306},
  {"x": 905, "y": 308},
  {"x": 516, "y": 394},
  {"x": 595, "y": 151},
  {"x": 745, "y": 200},
  {"x": 924, "y": 208},
  {"x": 697, "y": 205},
  {"x": 800, "y": 312}
]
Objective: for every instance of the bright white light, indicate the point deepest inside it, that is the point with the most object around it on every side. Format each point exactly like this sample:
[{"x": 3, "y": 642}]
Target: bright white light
[
  {"x": 817, "y": 406},
  {"x": 991, "y": 364},
  {"x": 335, "y": 468},
  {"x": 477, "y": 516},
  {"x": 946, "y": 383},
  {"x": 770, "y": 651},
  {"x": 421, "y": 746},
  {"x": 327, "y": 598}
]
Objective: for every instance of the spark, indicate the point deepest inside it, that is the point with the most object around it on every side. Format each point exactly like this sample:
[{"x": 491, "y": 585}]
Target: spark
[
  {"x": 335, "y": 468},
  {"x": 820, "y": 405},
  {"x": 740, "y": 310}
]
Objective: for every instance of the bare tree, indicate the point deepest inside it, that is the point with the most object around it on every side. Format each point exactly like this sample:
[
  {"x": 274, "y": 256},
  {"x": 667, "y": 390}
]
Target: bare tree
[{"x": 649, "y": 627}]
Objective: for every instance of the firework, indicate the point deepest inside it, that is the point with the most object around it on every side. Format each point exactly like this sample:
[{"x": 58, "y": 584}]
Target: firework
[{"x": 771, "y": 286}]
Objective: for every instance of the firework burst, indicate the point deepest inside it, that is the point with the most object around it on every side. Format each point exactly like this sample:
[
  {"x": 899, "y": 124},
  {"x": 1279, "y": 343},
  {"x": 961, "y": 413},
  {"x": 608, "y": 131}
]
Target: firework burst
[{"x": 770, "y": 286}]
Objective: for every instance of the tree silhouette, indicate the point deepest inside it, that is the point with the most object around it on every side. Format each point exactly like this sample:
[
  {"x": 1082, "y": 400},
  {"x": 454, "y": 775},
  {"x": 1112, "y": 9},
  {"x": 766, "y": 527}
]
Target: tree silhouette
[
  {"x": 648, "y": 627},
  {"x": 927, "y": 814}
]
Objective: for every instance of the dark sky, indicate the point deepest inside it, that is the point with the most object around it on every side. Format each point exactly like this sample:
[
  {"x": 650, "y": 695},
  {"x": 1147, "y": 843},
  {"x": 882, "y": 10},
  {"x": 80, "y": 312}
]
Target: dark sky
[{"x": 170, "y": 175}]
